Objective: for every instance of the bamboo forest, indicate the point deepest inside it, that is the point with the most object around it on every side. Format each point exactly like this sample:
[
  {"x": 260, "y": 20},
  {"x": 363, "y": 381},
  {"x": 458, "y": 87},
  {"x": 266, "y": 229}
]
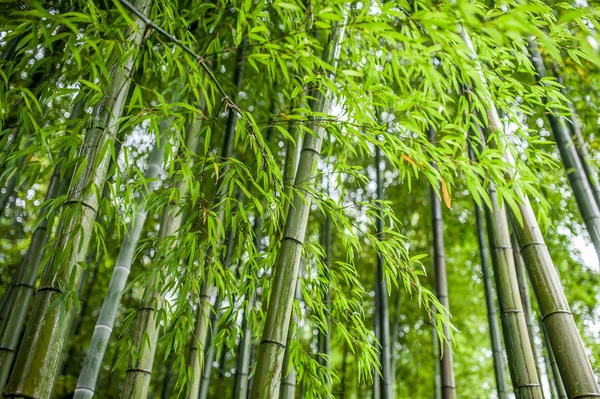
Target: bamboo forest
[{"x": 262, "y": 199}]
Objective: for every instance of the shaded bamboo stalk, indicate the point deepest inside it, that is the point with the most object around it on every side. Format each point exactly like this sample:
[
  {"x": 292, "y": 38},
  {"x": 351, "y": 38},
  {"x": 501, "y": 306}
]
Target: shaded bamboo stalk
[
  {"x": 572, "y": 361},
  {"x": 386, "y": 385},
  {"x": 441, "y": 289},
  {"x": 287, "y": 390},
  {"x": 272, "y": 346},
  {"x": 38, "y": 359},
  {"x": 580, "y": 183},
  {"x": 21, "y": 290},
  {"x": 395, "y": 331},
  {"x": 203, "y": 311},
  {"x": 499, "y": 368},
  {"x": 211, "y": 349},
  {"x": 574, "y": 126},
  {"x": 86, "y": 384},
  {"x": 324, "y": 342}
]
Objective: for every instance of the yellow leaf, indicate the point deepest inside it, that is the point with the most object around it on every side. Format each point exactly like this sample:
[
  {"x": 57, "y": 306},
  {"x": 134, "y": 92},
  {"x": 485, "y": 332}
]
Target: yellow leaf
[
  {"x": 216, "y": 171},
  {"x": 406, "y": 157},
  {"x": 446, "y": 195}
]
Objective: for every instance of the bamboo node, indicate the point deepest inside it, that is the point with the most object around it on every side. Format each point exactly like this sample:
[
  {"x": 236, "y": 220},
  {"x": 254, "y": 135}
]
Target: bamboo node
[
  {"x": 556, "y": 312},
  {"x": 268, "y": 341}
]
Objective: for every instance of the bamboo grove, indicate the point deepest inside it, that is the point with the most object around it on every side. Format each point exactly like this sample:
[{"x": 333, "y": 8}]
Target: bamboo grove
[{"x": 282, "y": 199}]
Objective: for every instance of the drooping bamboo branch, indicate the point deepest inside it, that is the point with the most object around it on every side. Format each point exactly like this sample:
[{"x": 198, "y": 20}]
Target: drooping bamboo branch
[
  {"x": 86, "y": 384},
  {"x": 38, "y": 359},
  {"x": 272, "y": 347},
  {"x": 563, "y": 335}
]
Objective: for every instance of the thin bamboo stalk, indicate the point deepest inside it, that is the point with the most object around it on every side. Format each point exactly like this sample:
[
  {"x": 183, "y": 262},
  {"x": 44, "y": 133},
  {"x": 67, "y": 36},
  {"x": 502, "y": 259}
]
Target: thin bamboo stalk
[
  {"x": 572, "y": 361},
  {"x": 272, "y": 347},
  {"x": 386, "y": 385},
  {"x": 86, "y": 384},
  {"x": 499, "y": 367},
  {"x": 580, "y": 183},
  {"x": 139, "y": 373},
  {"x": 211, "y": 349},
  {"x": 324, "y": 342},
  {"x": 203, "y": 311},
  {"x": 574, "y": 126}
]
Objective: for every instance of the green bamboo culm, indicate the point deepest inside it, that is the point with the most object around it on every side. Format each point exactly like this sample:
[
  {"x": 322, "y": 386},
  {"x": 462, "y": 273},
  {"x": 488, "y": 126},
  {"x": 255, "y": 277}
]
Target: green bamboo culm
[
  {"x": 448, "y": 385},
  {"x": 145, "y": 330},
  {"x": 38, "y": 359},
  {"x": 324, "y": 341},
  {"x": 86, "y": 384},
  {"x": 580, "y": 183},
  {"x": 499, "y": 367},
  {"x": 20, "y": 292},
  {"x": 289, "y": 376},
  {"x": 272, "y": 346},
  {"x": 572, "y": 362},
  {"x": 204, "y": 309},
  {"x": 386, "y": 383}
]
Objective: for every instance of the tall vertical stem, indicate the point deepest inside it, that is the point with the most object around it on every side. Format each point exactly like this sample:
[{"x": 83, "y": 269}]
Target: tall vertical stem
[
  {"x": 381, "y": 294},
  {"x": 499, "y": 370}
]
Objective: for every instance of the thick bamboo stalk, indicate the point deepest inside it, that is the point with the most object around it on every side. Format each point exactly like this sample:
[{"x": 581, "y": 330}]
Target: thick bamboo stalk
[
  {"x": 437, "y": 379},
  {"x": 86, "y": 384},
  {"x": 203, "y": 311},
  {"x": 588, "y": 207},
  {"x": 22, "y": 289},
  {"x": 499, "y": 368},
  {"x": 272, "y": 347},
  {"x": 386, "y": 384},
  {"x": 565, "y": 341},
  {"x": 38, "y": 360}
]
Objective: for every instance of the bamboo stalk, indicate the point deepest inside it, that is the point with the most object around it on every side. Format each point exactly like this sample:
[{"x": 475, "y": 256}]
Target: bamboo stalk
[
  {"x": 272, "y": 347},
  {"x": 441, "y": 287},
  {"x": 386, "y": 385},
  {"x": 86, "y": 384},
  {"x": 203, "y": 311},
  {"x": 574, "y": 126},
  {"x": 499, "y": 367}
]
